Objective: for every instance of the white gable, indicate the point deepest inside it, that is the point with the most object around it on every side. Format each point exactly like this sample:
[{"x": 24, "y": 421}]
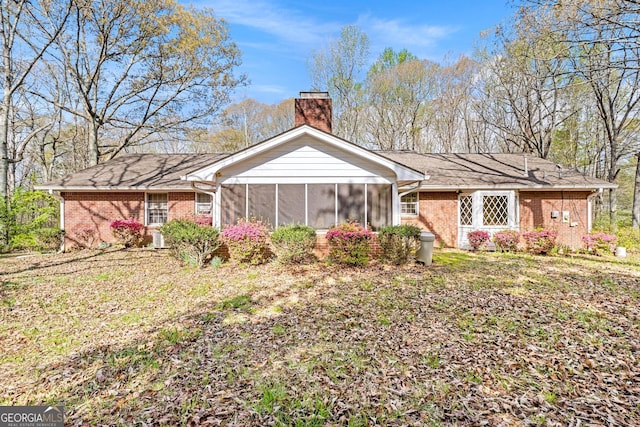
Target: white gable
[{"x": 305, "y": 154}]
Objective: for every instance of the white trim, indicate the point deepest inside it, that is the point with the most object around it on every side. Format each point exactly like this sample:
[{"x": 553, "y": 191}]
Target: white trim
[{"x": 415, "y": 204}]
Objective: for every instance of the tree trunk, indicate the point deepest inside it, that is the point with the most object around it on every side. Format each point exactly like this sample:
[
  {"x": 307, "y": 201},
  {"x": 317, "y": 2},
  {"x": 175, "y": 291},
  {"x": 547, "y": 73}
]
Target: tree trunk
[
  {"x": 4, "y": 137},
  {"x": 636, "y": 197},
  {"x": 94, "y": 153}
]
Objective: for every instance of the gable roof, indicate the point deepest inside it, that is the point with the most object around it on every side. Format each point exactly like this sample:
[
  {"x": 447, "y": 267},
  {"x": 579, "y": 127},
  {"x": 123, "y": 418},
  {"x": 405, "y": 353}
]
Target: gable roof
[
  {"x": 493, "y": 171},
  {"x": 402, "y": 171},
  {"x": 157, "y": 172}
]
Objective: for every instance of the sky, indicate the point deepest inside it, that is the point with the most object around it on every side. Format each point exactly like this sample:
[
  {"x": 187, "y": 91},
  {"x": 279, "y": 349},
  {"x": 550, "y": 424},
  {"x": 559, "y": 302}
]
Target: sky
[{"x": 277, "y": 37}]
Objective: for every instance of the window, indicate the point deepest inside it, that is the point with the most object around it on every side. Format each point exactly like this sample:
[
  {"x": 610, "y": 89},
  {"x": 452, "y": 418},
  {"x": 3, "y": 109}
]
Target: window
[
  {"x": 204, "y": 204},
  {"x": 409, "y": 204},
  {"x": 466, "y": 210},
  {"x": 157, "y": 208},
  {"x": 495, "y": 210}
]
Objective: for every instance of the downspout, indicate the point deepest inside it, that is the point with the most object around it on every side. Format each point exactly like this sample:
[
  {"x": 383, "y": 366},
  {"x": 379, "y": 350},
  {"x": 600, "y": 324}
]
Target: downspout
[
  {"x": 412, "y": 189},
  {"x": 60, "y": 199},
  {"x": 210, "y": 193}
]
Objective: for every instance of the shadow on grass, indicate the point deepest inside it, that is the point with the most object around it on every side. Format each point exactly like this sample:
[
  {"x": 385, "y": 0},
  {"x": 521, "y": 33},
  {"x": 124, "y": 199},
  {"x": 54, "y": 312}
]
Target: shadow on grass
[{"x": 72, "y": 258}]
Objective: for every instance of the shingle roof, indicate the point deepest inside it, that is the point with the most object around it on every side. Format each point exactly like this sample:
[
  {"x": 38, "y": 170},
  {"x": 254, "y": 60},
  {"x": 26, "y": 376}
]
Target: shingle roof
[
  {"x": 477, "y": 171},
  {"x": 135, "y": 172},
  {"x": 446, "y": 171}
]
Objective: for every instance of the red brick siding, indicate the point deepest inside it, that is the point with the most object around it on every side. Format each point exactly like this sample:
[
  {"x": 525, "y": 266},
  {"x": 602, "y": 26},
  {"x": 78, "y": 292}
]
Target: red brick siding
[
  {"x": 97, "y": 210},
  {"x": 536, "y": 208},
  {"x": 437, "y": 213}
]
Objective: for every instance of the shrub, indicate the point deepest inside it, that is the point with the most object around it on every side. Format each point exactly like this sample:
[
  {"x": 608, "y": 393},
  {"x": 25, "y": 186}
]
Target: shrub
[
  {"x": 540, "y": 242},
  {"x": 629, "y": 238},
  {"x": 204, "y": 220},
  {"x": 399, "y": 243},
  {"x": 190, "y": 242},
  {"x": 349, "y": 243},
  {"x": 49, "y": 239},
  {"x": 247, "y": 241},
  {"x": 23, "y": 214},
  {"x": 128, "y": 232},
  {"x": 294, "y": 243},
  {"x": 506, "y": 240},
  {"x": 599, "y": 243},
  {"x": 478, "y": 239},
  {"x": 85, "y": 237}
]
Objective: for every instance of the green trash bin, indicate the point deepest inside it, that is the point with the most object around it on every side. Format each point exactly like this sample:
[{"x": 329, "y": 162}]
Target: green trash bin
[{"x": 425, "y": 252}]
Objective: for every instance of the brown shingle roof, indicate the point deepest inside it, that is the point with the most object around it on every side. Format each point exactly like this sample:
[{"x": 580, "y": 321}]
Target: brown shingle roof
[
  {"x": 136, "y": 172},
  {"x": 477, "y": 171},
  {"x": 446, "y": 171}
]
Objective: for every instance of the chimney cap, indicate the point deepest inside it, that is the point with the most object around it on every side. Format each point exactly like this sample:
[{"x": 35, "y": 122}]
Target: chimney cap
[{"x": 314, "y": 94}]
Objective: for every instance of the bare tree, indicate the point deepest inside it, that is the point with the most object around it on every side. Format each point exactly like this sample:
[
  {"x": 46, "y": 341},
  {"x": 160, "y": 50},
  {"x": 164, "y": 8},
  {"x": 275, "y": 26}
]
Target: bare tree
[
  {"x": 27, "y": 30},
  {"x": 143, "y": 69},
  {"x": 339, "y": 69}
]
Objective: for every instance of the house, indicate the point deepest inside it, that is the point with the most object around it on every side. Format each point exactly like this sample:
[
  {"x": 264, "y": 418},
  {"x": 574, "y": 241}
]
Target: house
[{"x": 307, "y": 175}]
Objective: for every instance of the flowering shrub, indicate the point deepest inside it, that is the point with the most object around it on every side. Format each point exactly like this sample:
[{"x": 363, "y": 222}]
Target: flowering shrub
[
  {"x": 247, "y": 241},
  {"x": 349, "y": 243},
  {"x": 506, "y": 240},
  {"x": 599, "y": 243},
  {"x": 203, "y": 220},
  {"x": 540, "y": 242},
  {"x": 478, "y": 239},
  {"x": 85, "y": 237},
  {"x": 190, "y": 242},
  {"x": 294, "y": 243},
  {"x": 399, "y": 243},
  {"x": 128, "y": 232}
]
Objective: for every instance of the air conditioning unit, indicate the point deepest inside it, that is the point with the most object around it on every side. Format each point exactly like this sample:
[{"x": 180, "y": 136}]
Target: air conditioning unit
[{"x": 158, "y": 240}]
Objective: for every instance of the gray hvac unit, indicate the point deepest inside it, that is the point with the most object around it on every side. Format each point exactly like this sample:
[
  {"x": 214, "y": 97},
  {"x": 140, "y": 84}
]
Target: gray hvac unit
[{"x": 158, "y": 240}]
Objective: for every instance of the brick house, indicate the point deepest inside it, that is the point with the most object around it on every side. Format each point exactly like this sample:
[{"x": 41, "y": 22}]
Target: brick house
[{"x": 307, "y": 175}]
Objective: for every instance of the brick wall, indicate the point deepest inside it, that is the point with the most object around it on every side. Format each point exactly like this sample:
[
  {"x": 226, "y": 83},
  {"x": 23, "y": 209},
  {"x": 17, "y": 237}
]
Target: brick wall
[
  {"x": 536, "y": 208},
  {"x": 97, "y": 210},
  {"x": 322, "y": 246},
  {"x": 438, "y": 214}
]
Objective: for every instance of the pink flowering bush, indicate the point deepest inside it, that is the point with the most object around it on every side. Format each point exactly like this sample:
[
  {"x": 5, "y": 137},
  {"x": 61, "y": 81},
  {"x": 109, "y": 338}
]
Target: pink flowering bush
[
  {"x": 203, "y": 220},
  {"x": 540, "y": 242},
  {"x": 349, "y": 243},
  {"x": 128, "y": 232},
  {"x": 247, "y": 241},
  {"x": 599, "y": 243},
  {"x": 478, "y": 239},
  {"x": 506, "y": 240}
]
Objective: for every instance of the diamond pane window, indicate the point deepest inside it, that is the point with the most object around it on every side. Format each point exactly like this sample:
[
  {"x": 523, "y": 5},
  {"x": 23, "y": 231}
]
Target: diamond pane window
[
  {"x": 495, "y": 210},
  {"x": 466, "y": 210}
]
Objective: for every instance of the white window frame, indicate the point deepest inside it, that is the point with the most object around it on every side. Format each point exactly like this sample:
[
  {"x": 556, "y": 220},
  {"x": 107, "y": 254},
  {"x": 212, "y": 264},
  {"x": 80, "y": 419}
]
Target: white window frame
[
  {"x": 206, "y": 205},
  {"x": 410, "y": 207},
  {"x": 147, "y": 208}
]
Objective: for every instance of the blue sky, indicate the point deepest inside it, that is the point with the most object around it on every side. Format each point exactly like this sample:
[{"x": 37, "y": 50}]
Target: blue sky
[{"x": 278, "y": 36}]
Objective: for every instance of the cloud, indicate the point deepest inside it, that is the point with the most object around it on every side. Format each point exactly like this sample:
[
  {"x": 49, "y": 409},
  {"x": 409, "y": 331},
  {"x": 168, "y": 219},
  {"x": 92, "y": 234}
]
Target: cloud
[
  {"x": 286, "y": 25},
  {"x": 398, "y": 34}
]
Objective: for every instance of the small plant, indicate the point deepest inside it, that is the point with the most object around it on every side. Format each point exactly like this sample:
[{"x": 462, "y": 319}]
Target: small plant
[
  {"x": 85, "y": 237},
  {"x": 190, "y": 242},
  {"x": 128, "y": 232},
  {"x": 399, "y": 243},
  {"x": 599, "y": 243},
  {"x": 294, "y": 244},
  {"x": 349, "y": 243},
  {"x": 629, "y": 238},
  {"x": 540, "y": 242},
  {"x": 247, "y": 241},
  {"x": 478, "y": 239},
  {"x": 507, "y": 240}
]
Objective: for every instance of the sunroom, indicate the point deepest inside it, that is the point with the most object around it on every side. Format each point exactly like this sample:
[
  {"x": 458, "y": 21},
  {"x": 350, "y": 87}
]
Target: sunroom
[{"x": 305, "y": 176}]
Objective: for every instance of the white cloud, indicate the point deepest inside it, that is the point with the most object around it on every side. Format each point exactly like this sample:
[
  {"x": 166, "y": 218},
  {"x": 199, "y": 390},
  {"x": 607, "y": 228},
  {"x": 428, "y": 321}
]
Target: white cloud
[{"x": 287, "y": 25}]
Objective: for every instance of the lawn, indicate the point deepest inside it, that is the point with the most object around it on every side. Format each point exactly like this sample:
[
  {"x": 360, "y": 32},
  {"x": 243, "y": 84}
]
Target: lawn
[{"x": 132, "y": 337}]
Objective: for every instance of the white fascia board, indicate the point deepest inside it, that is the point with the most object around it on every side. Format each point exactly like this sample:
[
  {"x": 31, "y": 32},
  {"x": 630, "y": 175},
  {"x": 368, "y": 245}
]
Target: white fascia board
[
  {"x": 112, "y": 189},
  {"x": 536, "y": 187},
  {"x": 208, "y": 173}
]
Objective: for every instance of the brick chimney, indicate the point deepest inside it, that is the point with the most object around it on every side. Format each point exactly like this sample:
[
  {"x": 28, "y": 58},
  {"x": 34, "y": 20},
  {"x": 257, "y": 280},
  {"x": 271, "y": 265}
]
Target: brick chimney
[{"x": 314, "y": 109}]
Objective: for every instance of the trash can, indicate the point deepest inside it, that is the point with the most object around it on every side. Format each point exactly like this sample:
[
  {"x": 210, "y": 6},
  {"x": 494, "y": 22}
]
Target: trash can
[{"x": 425, "y": 252}]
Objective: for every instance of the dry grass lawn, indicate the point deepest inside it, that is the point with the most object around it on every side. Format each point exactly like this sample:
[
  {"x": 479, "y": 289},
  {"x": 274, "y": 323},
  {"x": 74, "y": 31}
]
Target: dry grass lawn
[{"x": 132, "y": 337}]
